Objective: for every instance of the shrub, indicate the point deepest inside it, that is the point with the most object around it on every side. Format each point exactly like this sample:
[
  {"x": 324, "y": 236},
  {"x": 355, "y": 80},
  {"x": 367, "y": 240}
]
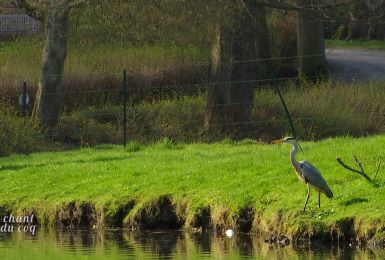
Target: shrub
[{"x": 18, "y": 134}]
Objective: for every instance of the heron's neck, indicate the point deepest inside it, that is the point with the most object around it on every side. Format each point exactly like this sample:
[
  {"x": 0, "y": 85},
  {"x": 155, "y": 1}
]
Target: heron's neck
[{"x": 292, "y": 155}]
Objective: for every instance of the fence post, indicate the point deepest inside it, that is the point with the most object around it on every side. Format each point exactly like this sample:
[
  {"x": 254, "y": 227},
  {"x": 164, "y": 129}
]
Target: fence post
[
  {"x": 124, "y": 108},
  {"x": 24, "y": 99}
]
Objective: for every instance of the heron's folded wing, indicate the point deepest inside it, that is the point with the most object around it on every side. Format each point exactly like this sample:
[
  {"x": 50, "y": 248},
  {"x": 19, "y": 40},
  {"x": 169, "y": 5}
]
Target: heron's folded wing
[{"x": 314, "y": 178}]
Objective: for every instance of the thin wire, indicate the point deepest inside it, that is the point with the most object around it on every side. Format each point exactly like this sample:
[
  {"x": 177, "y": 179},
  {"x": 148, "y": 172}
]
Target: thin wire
[
  {"x": 133, "y": 108},
  {"x": 205, "y": 84},
  {"x": 232, "y": 61}
]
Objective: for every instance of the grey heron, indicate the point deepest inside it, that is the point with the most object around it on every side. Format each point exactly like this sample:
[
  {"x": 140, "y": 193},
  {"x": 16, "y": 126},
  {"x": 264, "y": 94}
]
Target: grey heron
[{"x": 307, "y": 173}]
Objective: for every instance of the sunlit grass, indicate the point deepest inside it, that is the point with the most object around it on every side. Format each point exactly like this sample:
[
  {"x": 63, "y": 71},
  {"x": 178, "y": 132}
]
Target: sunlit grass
[
  {"x": 373, "y": 44},
  {"x": 226, "y": 177},
  {"x": 22, "y": 58}
]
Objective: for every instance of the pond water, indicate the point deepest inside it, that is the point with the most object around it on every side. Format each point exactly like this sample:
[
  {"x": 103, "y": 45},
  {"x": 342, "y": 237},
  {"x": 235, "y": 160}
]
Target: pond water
[{"x": 120, "y": 244}]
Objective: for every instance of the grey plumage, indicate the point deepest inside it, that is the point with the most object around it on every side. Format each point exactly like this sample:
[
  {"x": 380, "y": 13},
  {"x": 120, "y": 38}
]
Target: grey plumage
[{"x": 314, "y": 178}]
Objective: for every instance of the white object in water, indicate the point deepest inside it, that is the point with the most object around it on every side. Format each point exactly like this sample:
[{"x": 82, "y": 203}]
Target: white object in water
[{"x": 229, "y": 232}]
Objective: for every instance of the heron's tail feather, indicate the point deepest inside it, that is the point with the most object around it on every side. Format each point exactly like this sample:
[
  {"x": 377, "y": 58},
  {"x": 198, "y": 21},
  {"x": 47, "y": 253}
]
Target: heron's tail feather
[{"x": 328, "y": 193}]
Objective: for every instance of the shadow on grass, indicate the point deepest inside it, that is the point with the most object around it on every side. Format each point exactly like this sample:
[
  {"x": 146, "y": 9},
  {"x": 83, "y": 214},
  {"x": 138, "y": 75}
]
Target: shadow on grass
[{"x": 354, "y": 201}]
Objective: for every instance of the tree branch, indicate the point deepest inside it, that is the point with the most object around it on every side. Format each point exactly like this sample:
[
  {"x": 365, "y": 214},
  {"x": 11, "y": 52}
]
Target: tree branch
[
  {"x": 30, "y": 9},
  {"x": 361, "y": 171},
  {"x": 377, "y": 169}
]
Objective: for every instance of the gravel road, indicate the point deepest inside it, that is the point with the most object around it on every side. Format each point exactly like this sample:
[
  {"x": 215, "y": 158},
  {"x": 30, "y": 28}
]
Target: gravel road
[{"x": 356, "y": 65}]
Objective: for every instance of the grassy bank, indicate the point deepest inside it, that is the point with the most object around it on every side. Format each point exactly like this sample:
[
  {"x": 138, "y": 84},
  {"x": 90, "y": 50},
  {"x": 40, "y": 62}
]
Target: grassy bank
[
  {"x": 245, "y": 185},
  {"x": 374, "y": 44}
]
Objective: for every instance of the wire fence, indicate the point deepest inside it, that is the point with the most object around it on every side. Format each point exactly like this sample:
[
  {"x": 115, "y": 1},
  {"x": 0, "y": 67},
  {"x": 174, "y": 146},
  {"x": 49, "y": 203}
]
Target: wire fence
[
  {"x": 240, "y": 83},
  {"x": 126, "y": 118}
]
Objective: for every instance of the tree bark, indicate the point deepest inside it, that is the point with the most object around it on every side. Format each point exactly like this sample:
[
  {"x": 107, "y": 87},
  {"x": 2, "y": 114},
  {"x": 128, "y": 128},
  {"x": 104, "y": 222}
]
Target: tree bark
[
  {"x": 218, "y": 95},
  {"x": 236, "y": 55},
  {"x": 310, "y": 41},
  {"x": 244, "y": 71},
  {"x": 55, "y": 51}
]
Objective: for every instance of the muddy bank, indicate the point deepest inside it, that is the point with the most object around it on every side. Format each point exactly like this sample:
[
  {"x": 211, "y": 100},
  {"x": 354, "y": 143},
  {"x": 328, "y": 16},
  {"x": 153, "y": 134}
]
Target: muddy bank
[{"x": 165, "y": 213}]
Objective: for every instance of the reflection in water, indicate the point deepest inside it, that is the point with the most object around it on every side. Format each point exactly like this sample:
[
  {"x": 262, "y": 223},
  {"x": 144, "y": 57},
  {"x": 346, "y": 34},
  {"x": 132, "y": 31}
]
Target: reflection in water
[{"x": 121, "y": 244}]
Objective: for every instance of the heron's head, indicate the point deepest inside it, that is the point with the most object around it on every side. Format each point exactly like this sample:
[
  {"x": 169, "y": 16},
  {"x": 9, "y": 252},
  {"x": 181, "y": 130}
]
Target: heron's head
[{"x": 289, "y": 140}]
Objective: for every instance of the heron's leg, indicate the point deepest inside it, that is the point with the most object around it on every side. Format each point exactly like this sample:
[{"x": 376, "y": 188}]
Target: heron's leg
[
  {"x": 319, "y": 199},
  {"x": 307, "y": 198}
]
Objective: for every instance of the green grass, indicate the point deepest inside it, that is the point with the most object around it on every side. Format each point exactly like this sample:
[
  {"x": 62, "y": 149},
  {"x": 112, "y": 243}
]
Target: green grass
[
  {"x": 225, "y": 177},
  {"x": 22, "y": 58},
  {"x": 374, "y": 44}
]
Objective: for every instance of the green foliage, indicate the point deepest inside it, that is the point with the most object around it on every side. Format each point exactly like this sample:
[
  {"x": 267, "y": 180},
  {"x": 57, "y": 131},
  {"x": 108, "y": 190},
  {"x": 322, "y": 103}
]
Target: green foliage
[
  {"x": 324, "y": 109},
  {"x": 19, "y": 132}
]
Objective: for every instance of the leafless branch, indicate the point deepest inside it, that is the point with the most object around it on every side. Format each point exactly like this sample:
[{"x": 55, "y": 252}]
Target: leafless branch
[
  {"x": 377, "y": 169},
  {"x": 358, "y": 163},
  {"x": 361, "y": 171},
  {"x": 30, "y": 9}
]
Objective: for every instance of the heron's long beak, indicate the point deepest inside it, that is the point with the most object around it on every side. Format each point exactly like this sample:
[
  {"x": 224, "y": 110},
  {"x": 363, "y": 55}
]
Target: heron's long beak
[{"x": 277, "y": 141}]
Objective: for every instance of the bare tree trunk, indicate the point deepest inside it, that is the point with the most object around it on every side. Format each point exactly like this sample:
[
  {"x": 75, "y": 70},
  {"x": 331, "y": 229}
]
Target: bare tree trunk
[
  {"x": 56, "y": 30},
  {"x": 234, "y": 58},
  {"x": 218, "y": 95},
  {"x": 245, "y": 69},
  {"x": 262, "y": 42},
  {"x": 310, "y": 41},
  {"x": 340, "y": 33}
]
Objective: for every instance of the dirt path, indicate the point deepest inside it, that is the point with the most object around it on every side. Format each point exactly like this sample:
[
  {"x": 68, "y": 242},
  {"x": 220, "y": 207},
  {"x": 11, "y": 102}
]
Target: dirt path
[{"x": 356, "y": 65}]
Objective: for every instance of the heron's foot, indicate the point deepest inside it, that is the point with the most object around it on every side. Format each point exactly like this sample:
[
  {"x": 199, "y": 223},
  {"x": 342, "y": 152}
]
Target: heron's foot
[{"x": 302, "y": 211}]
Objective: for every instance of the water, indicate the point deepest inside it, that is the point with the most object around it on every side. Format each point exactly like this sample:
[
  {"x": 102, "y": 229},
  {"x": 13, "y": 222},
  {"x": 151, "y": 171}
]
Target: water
[{"x": 120, "y": 244}]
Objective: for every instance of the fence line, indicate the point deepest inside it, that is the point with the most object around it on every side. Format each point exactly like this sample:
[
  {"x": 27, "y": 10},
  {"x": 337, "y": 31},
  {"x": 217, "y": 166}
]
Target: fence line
[
  {"x": 119, "y": 112},
  {"x": 109, "y": 73},
  {"x": 205, "y": 84},
  {"x": 208, "y": 83}
]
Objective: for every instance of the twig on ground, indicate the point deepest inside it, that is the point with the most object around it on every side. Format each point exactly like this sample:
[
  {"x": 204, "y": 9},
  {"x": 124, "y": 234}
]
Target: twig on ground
[
  {"x": 377, "y": 169},
  {"x": 361, "y": 171}
]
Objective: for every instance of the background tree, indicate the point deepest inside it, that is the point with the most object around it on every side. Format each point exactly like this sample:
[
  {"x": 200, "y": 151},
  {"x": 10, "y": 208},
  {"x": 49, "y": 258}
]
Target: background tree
[
  {"x": 241, "y": 38},
  {"x": 361, "y": 19},
  {"x": 310, "y": 40},
  {"x": 54, "y": 14}
]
